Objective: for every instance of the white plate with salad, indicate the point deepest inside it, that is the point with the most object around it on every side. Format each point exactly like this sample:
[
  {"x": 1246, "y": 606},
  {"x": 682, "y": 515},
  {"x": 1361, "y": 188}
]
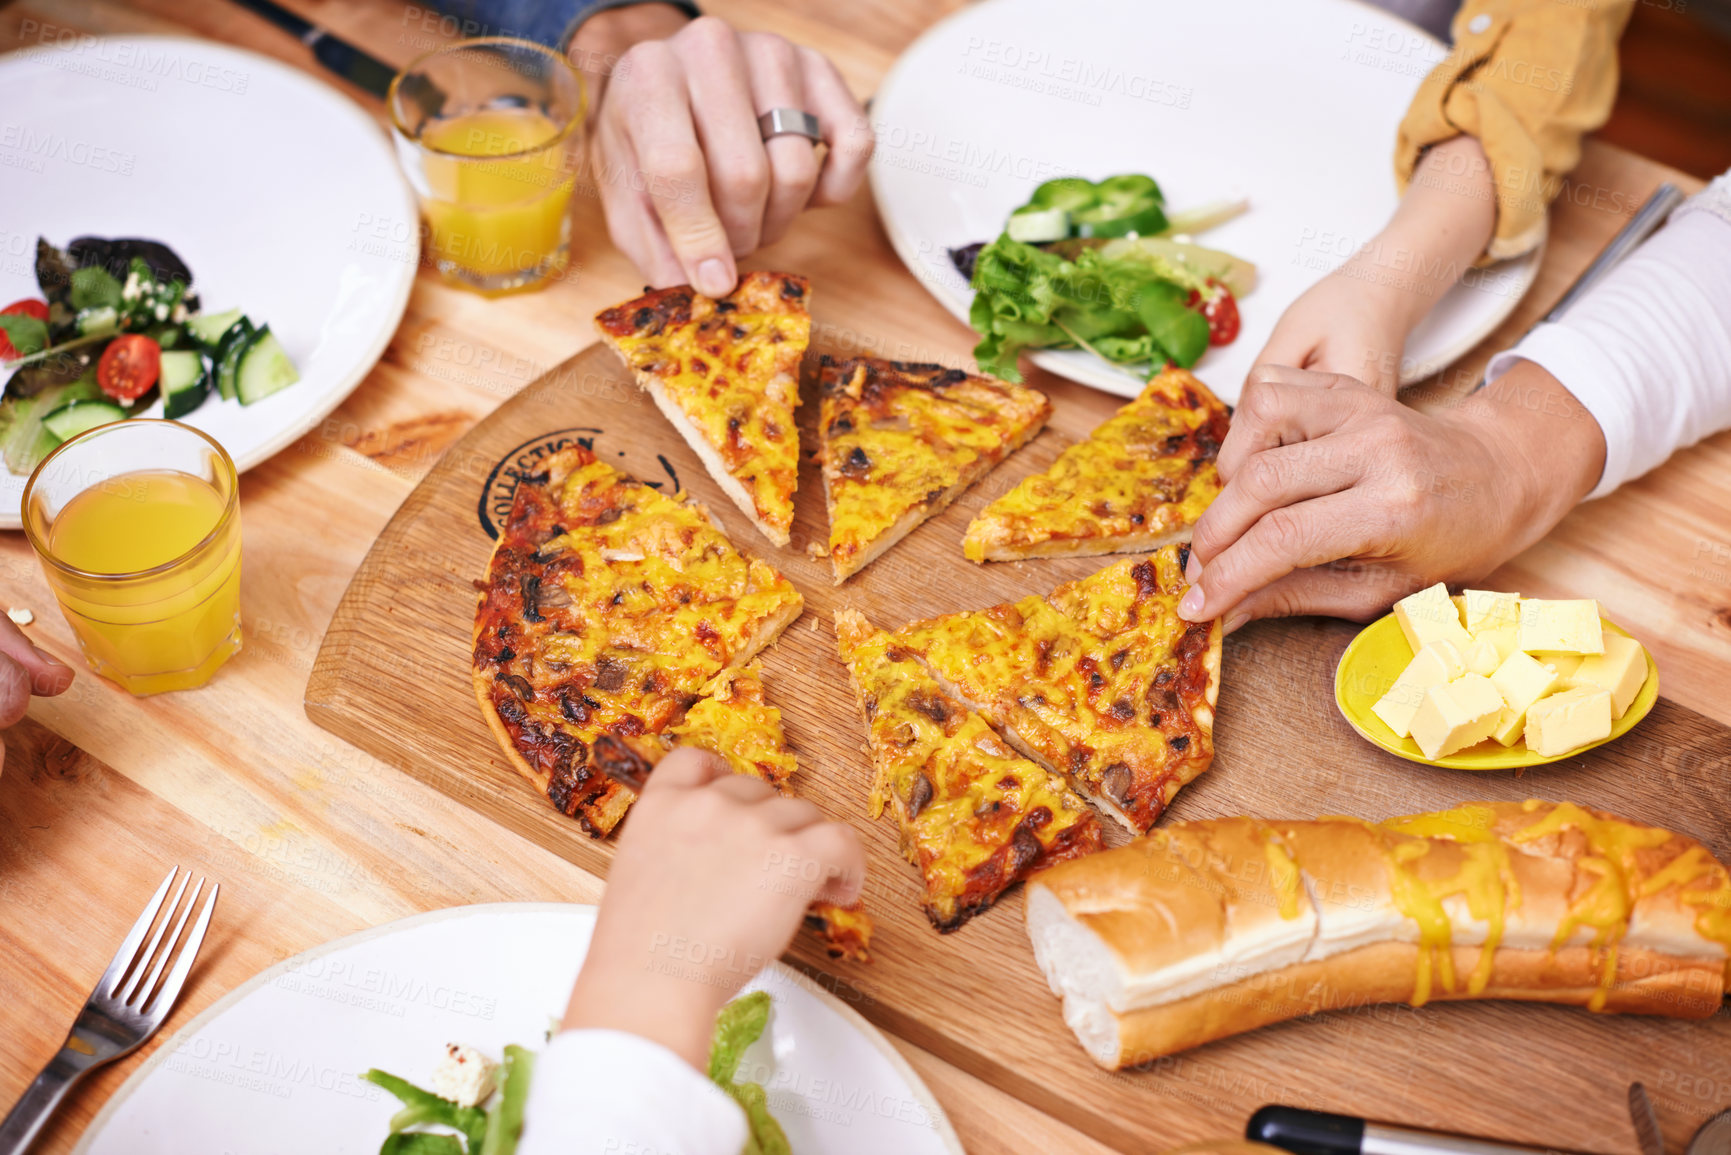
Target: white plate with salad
[
  {"x": 236, "y": 232},
  {"x": 1269, "y": 128},
  {"x": 279, "y": 1065}
]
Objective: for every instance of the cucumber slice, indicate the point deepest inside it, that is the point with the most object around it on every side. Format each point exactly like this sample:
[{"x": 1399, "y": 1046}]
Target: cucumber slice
[
  {"x": 183, "y": 382},
  {"x": 226, "y": 359},
  {"x": 1036, "y": 226},
  {"x": 71, "y": 420},
  {"x": 208, "y": 328},
  {"x": 264, "y": 368}
]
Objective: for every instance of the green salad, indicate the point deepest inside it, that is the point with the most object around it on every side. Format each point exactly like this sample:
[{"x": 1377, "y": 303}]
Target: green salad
[
  {"x": 491, "y": 1122},
  {"x": 1102, "y": 266}
]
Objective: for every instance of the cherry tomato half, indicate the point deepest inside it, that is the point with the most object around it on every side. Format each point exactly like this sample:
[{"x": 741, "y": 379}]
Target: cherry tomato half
[
  {"x": 129, "y": 367},
  {"x": 1220, "y": 309},
  {"x": 26, "y": 306}
]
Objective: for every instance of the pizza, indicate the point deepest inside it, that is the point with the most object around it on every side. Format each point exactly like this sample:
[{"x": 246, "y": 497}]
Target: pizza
[
  {"x": 900, "y": 442},
  {"x": 734, "y": 720},
  {"x": 1138, "y": 482},
  {"x": 726, "y": 374},
  {"x": 975, "y": 816},
  {"x": 1100, "y": 680},
  {"x": 607, "y": 608}
]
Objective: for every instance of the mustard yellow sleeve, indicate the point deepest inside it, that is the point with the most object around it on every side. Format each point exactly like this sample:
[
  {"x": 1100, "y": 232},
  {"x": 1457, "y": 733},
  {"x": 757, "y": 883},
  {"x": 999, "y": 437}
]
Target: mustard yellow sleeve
[{"x": 1527, "y": 78}]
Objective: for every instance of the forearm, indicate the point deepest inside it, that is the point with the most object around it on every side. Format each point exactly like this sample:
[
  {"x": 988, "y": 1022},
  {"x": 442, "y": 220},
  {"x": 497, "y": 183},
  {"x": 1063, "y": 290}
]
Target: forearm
[
  {"x": 1440, "y": 228},
  {"x": 604, "y": 37}
]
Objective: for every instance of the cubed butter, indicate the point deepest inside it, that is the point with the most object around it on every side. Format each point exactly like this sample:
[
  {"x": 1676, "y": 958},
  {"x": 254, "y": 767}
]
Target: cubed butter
[
  {"x": 1568, "y": 721},
  {"x": 1434, "y": 665},
  {"x": 1482, "y": 657},
  {"x": 1430, "y": 616},
  {"x": 1456, "y": 715},
  {"x": 1621, "y": 669},
  {"x": 1521, "y": 679},
  {"x": 1561, "y": 627}
]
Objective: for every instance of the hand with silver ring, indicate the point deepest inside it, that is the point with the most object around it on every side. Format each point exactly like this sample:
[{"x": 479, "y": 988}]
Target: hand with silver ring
[{"x": 709, "y": 142}]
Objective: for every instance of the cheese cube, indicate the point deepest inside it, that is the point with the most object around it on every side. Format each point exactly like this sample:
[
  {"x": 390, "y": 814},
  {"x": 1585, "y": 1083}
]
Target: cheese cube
[
  {"x": 1482, "y": 657},
  {"x": 1430, "y": 616},
  {"x": 1621, "y": 669},
  {"x": 1564, "y": 664},
  {"x": 1489, "y": 609},
  {"x": 1454, "y": 716},
  {"x": 464, "y": 1075},
  {"x": 1435, "y": 665},
  {"x": 1568, "y": 721},
  {"x": 1522, "y": 680},
  {"x": 1561, "y": 627}
]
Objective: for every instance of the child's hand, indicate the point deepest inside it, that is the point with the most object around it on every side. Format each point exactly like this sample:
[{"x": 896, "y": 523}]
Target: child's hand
[
  {"x": 713, "y": 874},
  {"x": 1353, "y": 322}
]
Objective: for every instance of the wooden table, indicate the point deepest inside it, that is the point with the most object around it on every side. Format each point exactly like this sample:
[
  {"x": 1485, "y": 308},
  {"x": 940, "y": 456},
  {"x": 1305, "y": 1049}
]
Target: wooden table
[{"x": 313, "y": 839}]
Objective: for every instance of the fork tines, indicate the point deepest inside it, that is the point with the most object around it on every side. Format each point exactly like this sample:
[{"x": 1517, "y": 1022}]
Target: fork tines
[{"x": 141, "y": 969}]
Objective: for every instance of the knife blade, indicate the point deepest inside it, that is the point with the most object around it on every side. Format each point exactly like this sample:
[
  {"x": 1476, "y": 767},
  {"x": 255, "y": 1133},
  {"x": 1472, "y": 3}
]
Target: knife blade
[
  {"x": 1646, "y": 1121},
  {"x": 337, "y": 55}
]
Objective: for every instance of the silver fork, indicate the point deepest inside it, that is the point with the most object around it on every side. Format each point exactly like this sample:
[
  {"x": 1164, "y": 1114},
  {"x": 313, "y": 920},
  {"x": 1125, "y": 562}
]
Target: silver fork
[{"x": 123, "y": 1011}]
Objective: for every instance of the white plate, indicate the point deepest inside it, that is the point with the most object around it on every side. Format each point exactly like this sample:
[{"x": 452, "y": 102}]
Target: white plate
[
  {"x": 273, "y": 1068},
  {"x": 280, "y": 193},
  {"x": 1293, "y": 105}
]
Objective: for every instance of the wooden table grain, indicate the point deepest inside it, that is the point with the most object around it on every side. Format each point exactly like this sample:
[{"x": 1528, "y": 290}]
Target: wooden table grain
[{"x": 314, "y": 839}]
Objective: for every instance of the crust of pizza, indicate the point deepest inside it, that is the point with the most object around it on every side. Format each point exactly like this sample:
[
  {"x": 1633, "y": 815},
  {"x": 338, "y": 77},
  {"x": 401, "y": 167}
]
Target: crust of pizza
[
  {"x": 1100, "y": 680},
  {"x": 974, "y": 817},
  {"x": 1139, "y": 482},
  {"x": 901, "y": 441},
  {"x": 725, "y": 373},
  {"x": 578, "y": 693}
]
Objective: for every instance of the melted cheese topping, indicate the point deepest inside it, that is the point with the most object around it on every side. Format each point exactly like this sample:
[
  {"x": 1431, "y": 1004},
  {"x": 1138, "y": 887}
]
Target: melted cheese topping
[
  {"x": 891, "y": 446},
  {"x": 1614, "y": 873},
  {"x": 961, "y": 795},
  {"x": 733, "y": 720},
  {"x": 735, "y": 376},
  {"x": 642, "y": 602},
  {"x": 1148, "y": 470},
  {"x": 1087, "y": 677}
]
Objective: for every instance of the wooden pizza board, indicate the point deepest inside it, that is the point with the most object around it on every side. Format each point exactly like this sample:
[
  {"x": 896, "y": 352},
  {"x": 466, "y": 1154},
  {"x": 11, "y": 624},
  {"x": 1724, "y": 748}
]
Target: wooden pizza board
[{"x": 393, "y": 678}]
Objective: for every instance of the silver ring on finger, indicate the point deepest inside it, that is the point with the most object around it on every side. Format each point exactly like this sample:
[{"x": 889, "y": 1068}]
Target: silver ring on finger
[{"x": 790, "y": 122}]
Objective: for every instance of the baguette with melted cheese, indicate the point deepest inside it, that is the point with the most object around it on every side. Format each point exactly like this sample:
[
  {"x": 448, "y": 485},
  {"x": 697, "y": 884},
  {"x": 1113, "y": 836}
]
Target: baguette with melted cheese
[{"x": 1206, "y": 929}]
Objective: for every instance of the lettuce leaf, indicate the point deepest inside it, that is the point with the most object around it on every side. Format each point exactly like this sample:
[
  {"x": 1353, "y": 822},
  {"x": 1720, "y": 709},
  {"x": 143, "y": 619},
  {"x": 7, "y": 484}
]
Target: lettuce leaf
[
  {"x": 1127, "y": 307},
  {"x": 738, "y": 1025}
]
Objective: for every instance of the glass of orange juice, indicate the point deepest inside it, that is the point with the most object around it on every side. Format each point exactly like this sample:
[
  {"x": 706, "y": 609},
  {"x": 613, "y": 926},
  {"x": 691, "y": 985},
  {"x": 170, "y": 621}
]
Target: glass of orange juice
[
  {"x": 138, "y": 527},
  {"x": 490, "y": 133}
]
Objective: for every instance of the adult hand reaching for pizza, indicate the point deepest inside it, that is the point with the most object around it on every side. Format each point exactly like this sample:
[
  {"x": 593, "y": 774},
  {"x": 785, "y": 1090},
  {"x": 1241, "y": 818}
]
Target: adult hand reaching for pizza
[
  {"x": 25, "y": 671},
  {"x": 687, "y": 179},
  {"x": 1339, "y": 499},
  {"x": 713, "y": 874}
]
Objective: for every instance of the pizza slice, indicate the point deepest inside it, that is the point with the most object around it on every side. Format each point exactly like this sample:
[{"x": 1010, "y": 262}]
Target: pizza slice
[
  {"x": 726, "y": 374},
  {"x": 1100, "y": 680},
  {"x": 975, "y": 816},
  {"x": 606, "y": 609},
  {"x": 900, "y": 442},
  {"x": 733, "y": 719},
  {"x": 1137, "y": 483}
]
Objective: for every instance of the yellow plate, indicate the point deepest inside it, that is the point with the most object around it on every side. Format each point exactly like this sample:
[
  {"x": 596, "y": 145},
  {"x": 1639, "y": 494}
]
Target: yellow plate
[{"x": 1378, "y": 655}]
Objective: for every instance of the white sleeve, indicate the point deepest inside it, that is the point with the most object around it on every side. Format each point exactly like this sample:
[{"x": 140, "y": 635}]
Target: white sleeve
[
  {"x": 614, "y": 1093},
  {"x": 1648, "y": 351}
]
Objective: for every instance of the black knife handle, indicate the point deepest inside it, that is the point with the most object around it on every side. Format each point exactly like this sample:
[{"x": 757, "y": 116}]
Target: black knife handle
[{"x": 1306, "y": 1132}]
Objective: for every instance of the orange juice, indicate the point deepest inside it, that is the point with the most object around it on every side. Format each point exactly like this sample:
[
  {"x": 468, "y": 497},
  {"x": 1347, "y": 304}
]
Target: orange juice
[
  {"x": 144, "y": 561},
  {"x": 496, "y": 218}
]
